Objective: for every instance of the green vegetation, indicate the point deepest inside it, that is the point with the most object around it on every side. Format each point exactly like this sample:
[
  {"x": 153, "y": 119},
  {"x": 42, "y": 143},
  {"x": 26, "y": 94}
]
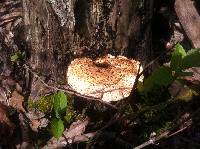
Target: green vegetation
[
  {"x": 57, "y": 105},
  {"x": 17, "y": 56},
  {"x": 153, "y": 115},
  {"x": 60, "y": 105},
  {"x": 43, "y": 104},
  {"x": 157, "y": 107},
  {"x": 164, "y": 76},
  {"x": 57, "y": 127}
]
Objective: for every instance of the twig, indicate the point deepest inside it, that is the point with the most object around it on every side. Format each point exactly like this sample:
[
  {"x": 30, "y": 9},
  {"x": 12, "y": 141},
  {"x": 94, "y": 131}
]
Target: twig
[
  {"x": 68, "y": 90},
  {"x": 166, "y": 134},
  {"x": 152, "y": 140},
  {"x": 178, "y": 131},
  {"x": 163, "y": 135}
]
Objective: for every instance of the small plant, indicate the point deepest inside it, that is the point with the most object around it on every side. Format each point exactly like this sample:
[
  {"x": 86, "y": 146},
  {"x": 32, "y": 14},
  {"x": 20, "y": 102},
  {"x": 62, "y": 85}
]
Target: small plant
[
  {"x": 57, "y": 127},
  {"x": 164, "y": 76},
  {"x": 57, "y": 105},
  {"x": 17, "y": 56},
  {"x": 60, "y": 104}
]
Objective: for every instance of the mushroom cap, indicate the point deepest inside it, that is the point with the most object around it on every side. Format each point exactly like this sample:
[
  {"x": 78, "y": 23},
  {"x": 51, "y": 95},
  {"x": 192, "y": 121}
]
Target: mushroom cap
[{"x": 109, "y": 78}]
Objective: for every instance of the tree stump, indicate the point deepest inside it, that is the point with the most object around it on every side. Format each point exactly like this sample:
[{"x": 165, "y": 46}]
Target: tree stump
[{"x": 56, "y": 30}]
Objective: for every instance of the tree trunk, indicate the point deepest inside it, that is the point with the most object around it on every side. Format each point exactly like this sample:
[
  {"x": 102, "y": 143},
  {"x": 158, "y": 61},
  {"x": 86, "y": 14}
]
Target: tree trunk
[{"x": 57, "y": 30}]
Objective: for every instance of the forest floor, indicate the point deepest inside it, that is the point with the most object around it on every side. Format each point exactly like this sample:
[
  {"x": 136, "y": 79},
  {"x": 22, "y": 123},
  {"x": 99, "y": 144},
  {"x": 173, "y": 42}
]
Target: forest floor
[{"x": 169, "y": 117}]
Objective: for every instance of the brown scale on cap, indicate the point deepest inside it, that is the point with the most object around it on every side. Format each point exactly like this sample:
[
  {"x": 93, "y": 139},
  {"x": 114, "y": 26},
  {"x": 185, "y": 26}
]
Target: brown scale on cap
[{"x": 110, "y": 78}]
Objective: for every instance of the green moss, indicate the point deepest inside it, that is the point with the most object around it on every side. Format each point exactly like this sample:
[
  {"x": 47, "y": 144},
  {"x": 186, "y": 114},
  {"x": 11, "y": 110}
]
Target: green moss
[
  {"x": 149, "y": 116},
  {"x": 31, "y": 104},
  {"x": 69, "y": 117},
  {"x": 168, "y": 125},
  {"x": 186, "y": 94},
  {"x": 43, "y": 104}
]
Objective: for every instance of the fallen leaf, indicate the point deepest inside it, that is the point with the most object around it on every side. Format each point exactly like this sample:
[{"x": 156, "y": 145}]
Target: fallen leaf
[
  {"x": 16, "y": 101},
  {"x": 35, "y": 124},
  {"x": 77, "y": 128},
  {"x": 195, "y": 79}
]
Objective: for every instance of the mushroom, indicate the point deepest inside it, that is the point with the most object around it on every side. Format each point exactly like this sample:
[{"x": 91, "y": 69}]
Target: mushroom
[{"x": 109, "y": 78}]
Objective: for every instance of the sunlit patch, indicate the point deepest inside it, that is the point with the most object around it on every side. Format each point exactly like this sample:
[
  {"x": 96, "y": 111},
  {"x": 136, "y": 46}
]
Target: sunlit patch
[{"x": 111, "y": 83}]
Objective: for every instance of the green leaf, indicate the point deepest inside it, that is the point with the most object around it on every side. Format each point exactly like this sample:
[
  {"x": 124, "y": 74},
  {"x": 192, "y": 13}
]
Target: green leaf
[
  {"x": 177, "y": 58},
  {"x": 57, "y": 127},
  {"x": 192, "y": 59},
  {"x": 160, "y": 77},
  {"x": 60, "y": 104}
]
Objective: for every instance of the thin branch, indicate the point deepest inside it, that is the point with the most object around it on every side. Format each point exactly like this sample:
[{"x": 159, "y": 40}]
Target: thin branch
[
  {"x": 152, "y": 140},
  {"x": 68, "y": 90},
  {"x": 167, "y": 133}
]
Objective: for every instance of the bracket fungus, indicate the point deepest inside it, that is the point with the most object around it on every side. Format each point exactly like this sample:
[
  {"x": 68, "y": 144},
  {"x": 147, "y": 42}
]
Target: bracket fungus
[{"x": 109, "y": 78}]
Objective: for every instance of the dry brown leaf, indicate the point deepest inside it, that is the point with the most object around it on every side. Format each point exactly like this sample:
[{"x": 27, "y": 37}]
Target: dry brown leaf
[
  {"x": 35, "y": 124},
  {"x": 83, "y": 137},
  {"x": 195, "y": 78},
  {"x": 16, "y": 101},
  {"x": 77, "y": 128}
]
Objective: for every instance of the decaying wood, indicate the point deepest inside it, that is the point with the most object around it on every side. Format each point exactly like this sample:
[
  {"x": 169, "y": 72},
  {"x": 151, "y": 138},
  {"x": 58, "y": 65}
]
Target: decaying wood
[
  {"x": 54, "y": 32},
  {"x": 190, "y": 19}
]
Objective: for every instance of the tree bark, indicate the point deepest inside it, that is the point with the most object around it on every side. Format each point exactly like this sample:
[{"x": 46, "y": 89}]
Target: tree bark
[
  {"x": 190, "y": 20},
  {"x": 56, "y": 30}
]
